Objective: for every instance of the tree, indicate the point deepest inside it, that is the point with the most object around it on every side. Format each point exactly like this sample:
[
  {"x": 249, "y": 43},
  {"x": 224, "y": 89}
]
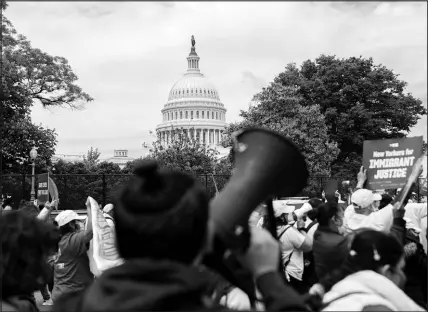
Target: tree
[
  {"x": 17, "y": 141},
  {"x": 30, "y": 75},
  {"x": 91, "y": 159},
  {"x": 130, "y": 166},
  {"x": 279, "y": 109},
  {"x": 359, "y": 100},
  {"x": 184, "y": 153}
]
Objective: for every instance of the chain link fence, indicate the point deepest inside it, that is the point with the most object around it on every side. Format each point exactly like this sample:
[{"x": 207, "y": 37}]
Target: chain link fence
[{"x": 73, "y": 189}]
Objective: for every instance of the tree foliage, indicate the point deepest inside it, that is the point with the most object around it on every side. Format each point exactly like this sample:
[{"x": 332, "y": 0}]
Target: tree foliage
[
  {"x": 279, "y": 109},
  {"x": 91, "y": 159},
  {"x": 184, "y": 153},
  {"x": 30, "y": 75},
  {"x": 19, "y": 138},
  {"x": 130, "y": 166},
  {"x": 359, "y": 100}
]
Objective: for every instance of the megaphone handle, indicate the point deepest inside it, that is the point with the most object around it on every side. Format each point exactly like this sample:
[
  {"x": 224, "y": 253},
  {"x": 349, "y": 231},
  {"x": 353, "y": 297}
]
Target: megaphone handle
[{"x": 272, "y": 230}]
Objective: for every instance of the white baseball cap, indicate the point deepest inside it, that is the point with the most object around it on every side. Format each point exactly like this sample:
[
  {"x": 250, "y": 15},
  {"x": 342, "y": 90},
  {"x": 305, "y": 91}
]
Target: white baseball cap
[
  {"x": 377, "y": 196},
  {"x": 280, "y": 207},
  {"x": 363, "y": 198},
  {"x": 67, "y": 216},
  {"x": 108, "y": 208}
]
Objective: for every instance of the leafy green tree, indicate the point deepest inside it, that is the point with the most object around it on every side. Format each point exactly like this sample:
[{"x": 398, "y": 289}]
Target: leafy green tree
[
  {"x": 33, "y": 75},
  {"x": 279, "y": 109},
  {"x": 77, "y": 180},
  {"x": 19, "y": 138},
  {"x": 184, "y": 153},
  {"x": 91, "y": 159},
  {"x": 130, "y": 165},
  {"x": 360, "y": 101},
  {"x": 106, "y": 167},
  {"x": 30, "y": 75}
]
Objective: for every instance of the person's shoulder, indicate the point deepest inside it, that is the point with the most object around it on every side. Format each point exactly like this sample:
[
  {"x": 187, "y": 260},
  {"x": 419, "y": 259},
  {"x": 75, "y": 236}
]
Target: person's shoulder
[{"x": 74, "y": 237}]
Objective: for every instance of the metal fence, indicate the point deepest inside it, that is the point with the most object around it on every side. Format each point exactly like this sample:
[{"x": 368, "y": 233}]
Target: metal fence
[{"x": 74, "y": 188}]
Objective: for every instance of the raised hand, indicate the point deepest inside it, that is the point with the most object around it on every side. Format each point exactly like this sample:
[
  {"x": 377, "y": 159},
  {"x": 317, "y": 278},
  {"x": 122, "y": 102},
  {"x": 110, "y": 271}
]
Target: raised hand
[{"x": 361, "y": 177}]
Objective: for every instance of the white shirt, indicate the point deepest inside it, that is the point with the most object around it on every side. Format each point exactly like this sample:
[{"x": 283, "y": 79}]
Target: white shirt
[
  {"x": 291, "y": 241},
  {"x": 417, "y": 213},
  {"x": 367, "y": 288},
  {"x": 379, "y": 220}
]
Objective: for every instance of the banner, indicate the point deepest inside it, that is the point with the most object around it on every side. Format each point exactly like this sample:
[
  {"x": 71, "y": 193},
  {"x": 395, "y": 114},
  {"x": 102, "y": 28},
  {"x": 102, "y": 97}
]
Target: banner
[
  {"x": 43, "y": 188},
  {"x": 103, "y": 246},
  {"x": 389, "y": 162},
  {"x": 53, "y": 190}
]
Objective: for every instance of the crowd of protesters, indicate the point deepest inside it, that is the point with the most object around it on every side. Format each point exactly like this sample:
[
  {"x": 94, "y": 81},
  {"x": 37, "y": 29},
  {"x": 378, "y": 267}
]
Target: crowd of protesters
[{"x": 367, "y": 253}]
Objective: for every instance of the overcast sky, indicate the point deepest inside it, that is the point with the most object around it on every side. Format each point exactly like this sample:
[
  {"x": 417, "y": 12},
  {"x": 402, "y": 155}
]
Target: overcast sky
[{"x": 128, "y": 55}]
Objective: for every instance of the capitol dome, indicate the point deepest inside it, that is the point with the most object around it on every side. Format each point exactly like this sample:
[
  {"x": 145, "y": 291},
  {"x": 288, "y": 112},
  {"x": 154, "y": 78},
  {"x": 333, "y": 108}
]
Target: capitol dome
[{"x": 193, "y": 106}]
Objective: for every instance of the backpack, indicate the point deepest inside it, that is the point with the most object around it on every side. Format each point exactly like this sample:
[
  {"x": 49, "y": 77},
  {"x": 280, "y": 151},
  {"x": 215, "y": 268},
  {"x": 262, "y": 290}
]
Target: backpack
[{"x": 309, "y": 277}]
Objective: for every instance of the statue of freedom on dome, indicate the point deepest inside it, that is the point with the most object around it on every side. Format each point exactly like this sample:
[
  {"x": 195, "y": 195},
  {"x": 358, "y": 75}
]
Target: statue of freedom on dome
[{"x": 192, "y": 40}]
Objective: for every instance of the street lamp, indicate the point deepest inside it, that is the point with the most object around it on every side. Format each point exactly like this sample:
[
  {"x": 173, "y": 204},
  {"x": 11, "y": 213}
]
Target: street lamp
[{"x": 33, "y": 156}]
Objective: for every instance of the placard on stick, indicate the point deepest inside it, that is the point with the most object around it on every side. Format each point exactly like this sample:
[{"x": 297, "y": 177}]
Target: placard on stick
[
  {"x": 389, "y": 162},
  {"x": 43, "y": 188}
]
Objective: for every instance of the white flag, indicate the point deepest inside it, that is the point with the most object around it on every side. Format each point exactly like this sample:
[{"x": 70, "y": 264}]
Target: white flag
[{"x": 103, "y": 244}]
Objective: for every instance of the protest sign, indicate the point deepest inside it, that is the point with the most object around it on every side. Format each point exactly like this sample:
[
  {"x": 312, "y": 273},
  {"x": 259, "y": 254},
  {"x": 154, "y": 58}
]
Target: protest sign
[
  {"x": 389, "y": 162},
  {"x": 43, "y": 188},
  {"x": 53, "y": 190},
  {"x": 104, "y": 252}
]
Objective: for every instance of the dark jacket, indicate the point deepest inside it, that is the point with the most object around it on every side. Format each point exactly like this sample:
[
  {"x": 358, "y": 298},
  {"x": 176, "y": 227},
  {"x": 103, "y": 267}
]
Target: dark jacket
[
  {"x": 141, "y": 285},
  {"x": 416, "y": 262},
  {"x": 330, "y": 249}
]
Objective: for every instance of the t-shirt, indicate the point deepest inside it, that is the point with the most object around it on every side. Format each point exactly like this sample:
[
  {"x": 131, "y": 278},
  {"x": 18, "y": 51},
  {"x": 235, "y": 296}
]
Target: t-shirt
[
  {"x": 291, "y": 241},
  {"x": 71, "y": 269},
  {"x": 417, "y": 213},
  {"x": 379, "y": 220}
]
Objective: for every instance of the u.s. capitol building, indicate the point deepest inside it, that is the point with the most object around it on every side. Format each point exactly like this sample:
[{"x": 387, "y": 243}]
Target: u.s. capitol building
[{"x": 193, "y": 103}]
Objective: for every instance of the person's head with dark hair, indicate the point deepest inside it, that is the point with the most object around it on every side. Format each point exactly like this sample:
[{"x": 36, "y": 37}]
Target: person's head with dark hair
[
  {"x": 315, "y": 202},
  {"x": 312, "y": 214},
  {"x": 329, "y": 215},
  {"x": 374, "y": 251},
  {"x": 385, "y": 201},
  {"x": 26, "y": 245},
  {"x": 29, "y": 208},
  {"x": 166, "y": 213}
]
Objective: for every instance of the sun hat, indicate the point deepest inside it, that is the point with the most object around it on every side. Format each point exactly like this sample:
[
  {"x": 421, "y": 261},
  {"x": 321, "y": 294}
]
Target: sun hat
[
  {"x": 67, "y": 216},
  {"x": 363, "y": 198}
]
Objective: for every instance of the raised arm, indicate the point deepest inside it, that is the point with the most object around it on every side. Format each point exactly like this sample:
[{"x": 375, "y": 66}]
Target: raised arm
[
  {"x": 47, "y": 209},
  {"x": 262, "y": 259}
]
